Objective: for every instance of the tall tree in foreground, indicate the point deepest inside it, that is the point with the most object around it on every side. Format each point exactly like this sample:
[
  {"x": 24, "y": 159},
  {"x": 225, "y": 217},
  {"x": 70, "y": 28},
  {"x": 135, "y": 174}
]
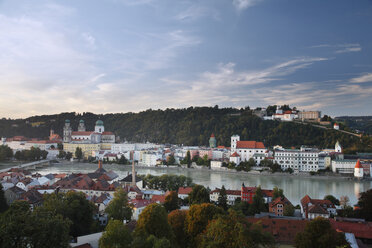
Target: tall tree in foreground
[
  {"x": 197, "y": 219},
  {"x": 234, "y": 231},
  {"x": 171, "y": 201},
  {"x": 319, "y": 233},
  {"x": 198, "y": 195},
  {"x": 154, "y": 221},
  {"x": 222, "y": 198},
  {"x": 116, "y": 235},
  {"x": 73, "y": 206},
  {"x": 118, "y": 208},
  {"x": 365, "y": 205},
  {"x": 177, "y": 220},
  {"x": 277, "y": 192},
  {"x": 3, "y": 204},
  {"x": 332, "y": 199},
  {"x": 19, "y": 227},
  {"x": 258, "y": 202}
]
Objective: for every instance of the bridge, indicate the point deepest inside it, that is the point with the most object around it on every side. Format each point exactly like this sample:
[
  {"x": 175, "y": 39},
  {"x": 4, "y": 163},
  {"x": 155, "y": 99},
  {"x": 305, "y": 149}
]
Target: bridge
[{"x": 32, "y": 165}]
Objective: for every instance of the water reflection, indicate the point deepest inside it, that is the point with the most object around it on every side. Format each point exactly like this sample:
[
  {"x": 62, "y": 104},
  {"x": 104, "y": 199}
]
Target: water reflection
[{"x": 294, "y": 187}]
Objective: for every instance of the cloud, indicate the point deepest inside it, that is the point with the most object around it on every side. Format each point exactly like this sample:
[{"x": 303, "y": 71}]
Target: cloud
[
  {"x": 244, "y": 4},
  {"x": 89, "y": 39},
  {"x": 195, "y": 12},
  {"x": 341, "y": 48},
  {"x": 362, "y": 79}
]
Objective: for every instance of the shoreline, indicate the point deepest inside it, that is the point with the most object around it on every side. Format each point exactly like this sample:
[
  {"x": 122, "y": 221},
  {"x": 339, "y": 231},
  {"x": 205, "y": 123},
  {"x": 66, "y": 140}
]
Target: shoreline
[{"x": 228, "y": 171}]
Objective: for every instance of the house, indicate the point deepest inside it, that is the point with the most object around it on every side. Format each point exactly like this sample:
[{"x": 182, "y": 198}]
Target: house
[
  {"x": 231, "y": 195},
  {"x": 184, "y": 192},
  {"x": 128, "y": 181},
  {"x": 247, "y": 194},
  {"x": 247, "y": 149},
  {"x": 138, "y": 205},
  {"x": 235, "y": 158},
  {"x": 133, "y": 192},
  {"x": 277, "y": 206},
  {"x": 312, "y": 208},
  {"x": 12, "y": 194},
  {"x": 33, "y": 197}
]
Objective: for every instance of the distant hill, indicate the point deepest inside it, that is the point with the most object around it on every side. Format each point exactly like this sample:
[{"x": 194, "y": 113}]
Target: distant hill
[
  {"x": 190, "y": 126},
  {"x": 362, "y": 124}
]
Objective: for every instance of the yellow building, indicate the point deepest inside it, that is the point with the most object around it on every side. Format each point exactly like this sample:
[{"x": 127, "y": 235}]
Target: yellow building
[
  {"x": 106, "y": 146},
  {"x": 87, "y": 149}
]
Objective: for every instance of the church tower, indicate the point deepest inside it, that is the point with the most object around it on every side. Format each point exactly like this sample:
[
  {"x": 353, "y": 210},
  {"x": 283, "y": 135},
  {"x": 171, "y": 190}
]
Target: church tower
[
  {"x": 358, "y": 170},
  {"x": 67, "y": 131},
  {"x": 81, "y": 127},
  {"x": 99, "y": 128},
  {"x": 338, "y": 147},
  {"x": 212, "y": 141},
  {"x": 234, "y": 140}
]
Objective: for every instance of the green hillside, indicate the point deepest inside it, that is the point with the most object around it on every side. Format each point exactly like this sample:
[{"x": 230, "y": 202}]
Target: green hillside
[{"x": 191, "y": 126}]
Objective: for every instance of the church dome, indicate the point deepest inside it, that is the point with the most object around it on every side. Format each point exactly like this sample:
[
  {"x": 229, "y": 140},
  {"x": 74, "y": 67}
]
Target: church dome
[
  {"x": 99, "y": 123},
  {"x": 81, "y": 121},
  {"x": 67, "y": 121}
]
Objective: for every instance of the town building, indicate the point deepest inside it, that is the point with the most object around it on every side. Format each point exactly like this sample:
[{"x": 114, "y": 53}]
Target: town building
[
  {"x": 184, "y": 192},
  {"x": 309, "y": 115},
  {"x": 303, "y": 159},
  {"x": 312, "y": 208},
  {"x": 247, "y": 194},
  {"x": 358, "y": 170},
  {"x": 278, "y": 205},
  {"x": 343, "y": 166},
  {"x": 231, "y": 195},
  {"x": 247, "y": 149}
]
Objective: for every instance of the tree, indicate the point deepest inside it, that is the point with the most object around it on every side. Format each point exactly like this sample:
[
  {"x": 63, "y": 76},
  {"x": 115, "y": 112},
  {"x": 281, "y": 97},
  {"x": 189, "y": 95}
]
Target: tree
[
  {"x": 241, "y": 207},
  {"x": 78, "y": 153},
  {"x": 222, "y": 198},
  {"x": 319, "y": 233},
  {"x": 177, "y": 219},
  {"x": 171, "y": 160},
  {"x": 116, "y": 235},
  {"x": 61, "y": 154},
  {"x": 277, "y": 192},
  {"x": 197, "y": 219},
  {"x": 288, "y": 210},
  {"x": 344, "y": 201},
  {"x": 365, "y": 205},
  {"x": 332, "y": 199},
  {"x": 171, "y": 201},
  {"x": 19, "y": 227},
  {"x": 153, "y": 221},
  {"x": 258, "y": 203},
  {"x": 118, "y": 208},
  {"x": 233, "y": 230},
  {"x": 3, "y": 204},
  {"x": 198, "y": 195},
  {"x": 68, "y": 155},
  {"x": 73, "y": 206},
  {"x": 5, "y": 152}
]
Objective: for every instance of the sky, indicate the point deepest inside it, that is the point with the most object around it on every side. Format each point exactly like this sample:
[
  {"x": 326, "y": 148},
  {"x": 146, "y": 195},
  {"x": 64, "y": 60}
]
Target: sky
[{"x": 112, "y": 56}]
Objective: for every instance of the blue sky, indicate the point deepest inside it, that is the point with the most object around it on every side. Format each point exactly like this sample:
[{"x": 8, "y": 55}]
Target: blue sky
[{"x": 131, "y": 55}]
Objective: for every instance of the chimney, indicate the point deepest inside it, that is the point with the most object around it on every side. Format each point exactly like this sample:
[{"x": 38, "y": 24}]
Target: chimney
[{"x": 99, "y": 164}]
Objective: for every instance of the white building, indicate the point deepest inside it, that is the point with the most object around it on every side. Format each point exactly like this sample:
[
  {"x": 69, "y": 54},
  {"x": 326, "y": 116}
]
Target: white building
[
  {"x": 231, "y": 195},
  {"x": 338, "y": 147},
  {"x": 247, "y": 149},
  {"x": 216, "y": 164},
  {"x": 304, "y": 159},
  {"x": 343, "y": 166},
  {"x": 235, "y": 158},
  {"x": 150, "y": 158},
  {"x": 358, "y": 170}
]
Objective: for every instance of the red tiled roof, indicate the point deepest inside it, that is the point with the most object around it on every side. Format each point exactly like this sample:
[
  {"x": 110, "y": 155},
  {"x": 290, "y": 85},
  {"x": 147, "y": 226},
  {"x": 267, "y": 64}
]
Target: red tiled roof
[
  {"x": 87, "y": 133},
  {"x": 212, "y": 136},
  {"x": 317, "y": 209},
  {"x": 280, "y": 200},
  {"x": 250, "y": 145},
  {"x": 158, "y": 198},
  {"x": 228, "y": 191},
  {"x": 358, "y": 165},
  {"x": 107, "y": 133},
  {"x": 138, "y": 203},
  {"x": 360, "y": 230},
  {"x": 288, "y": 112},
  {"x": 235, "y": 154},
  {"x": 283, "y": 230},
  {"x": 184, "y": 190}
]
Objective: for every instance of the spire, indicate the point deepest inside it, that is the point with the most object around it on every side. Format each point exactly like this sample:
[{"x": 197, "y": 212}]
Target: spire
[
  {"x": 358, "y": 165},
  {"x": 133, "y": 171}
]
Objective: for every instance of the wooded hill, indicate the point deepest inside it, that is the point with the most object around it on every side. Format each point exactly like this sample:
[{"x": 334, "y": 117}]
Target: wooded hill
[{"x": 191, "y": 126}]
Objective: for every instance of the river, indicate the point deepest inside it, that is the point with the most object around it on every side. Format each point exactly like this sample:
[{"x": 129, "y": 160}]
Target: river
[{"x": 294, "y": 187}]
